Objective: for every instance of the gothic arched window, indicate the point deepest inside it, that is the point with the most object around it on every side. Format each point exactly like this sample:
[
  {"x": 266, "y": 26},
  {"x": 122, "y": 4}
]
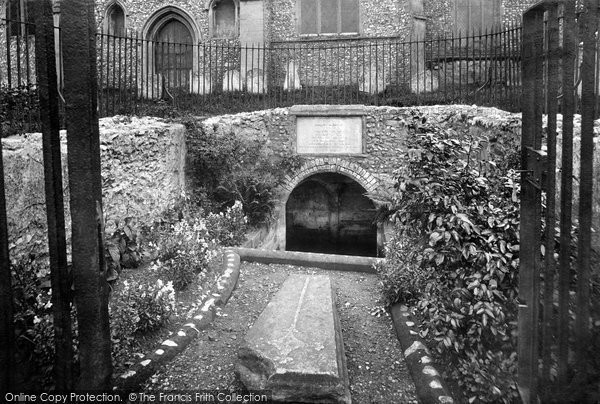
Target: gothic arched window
[
  {"x": 115, "y": 20},
  {"x": 224, "y": 18}
]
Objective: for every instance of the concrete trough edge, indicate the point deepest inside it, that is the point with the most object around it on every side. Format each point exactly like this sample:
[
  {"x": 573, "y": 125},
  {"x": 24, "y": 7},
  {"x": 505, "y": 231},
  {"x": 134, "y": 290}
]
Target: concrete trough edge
[
  {"x": 323, "y": 261},
  {"x": 131, "y": 380},
  {"x": 430, "y": 386}
]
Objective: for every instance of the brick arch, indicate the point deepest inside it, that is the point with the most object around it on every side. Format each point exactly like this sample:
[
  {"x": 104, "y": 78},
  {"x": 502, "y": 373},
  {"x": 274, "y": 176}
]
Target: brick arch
[{"x": 329, "y": 165}]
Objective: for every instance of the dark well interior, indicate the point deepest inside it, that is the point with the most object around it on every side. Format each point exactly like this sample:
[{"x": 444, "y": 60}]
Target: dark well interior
[{"x": 329, "y": 213}]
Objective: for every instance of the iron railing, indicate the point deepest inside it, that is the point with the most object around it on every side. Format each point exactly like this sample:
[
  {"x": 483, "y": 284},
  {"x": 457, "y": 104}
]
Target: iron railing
[
  {"x": 140, "y": 76},
  {"x": 559, "y": 291}
]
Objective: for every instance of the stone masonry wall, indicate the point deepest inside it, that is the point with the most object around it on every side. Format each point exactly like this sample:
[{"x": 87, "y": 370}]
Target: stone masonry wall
[
  {"x": 385, "y": 130},
  {"x": 138, "y": 12},
  {"x": 440, "y": 14},
  {"x": 384, "y": 135},
  {"x": 142, "y": 175},
  {"x": 377, "y": 18}
]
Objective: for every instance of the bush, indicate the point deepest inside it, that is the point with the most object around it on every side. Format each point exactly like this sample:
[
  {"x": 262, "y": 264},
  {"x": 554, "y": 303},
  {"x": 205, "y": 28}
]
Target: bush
[
  {"x": 138, "y": 308},
  {"x": 152, "y": 304},
  {"x": 122, "y": 249},
  {"x": 229, "y": 228},
  {"x": 33, "y": 322},
  {"x": 236, "y": 168},
  {"x": 454, "y": 256},
  {"x": 183, "y": 251}
]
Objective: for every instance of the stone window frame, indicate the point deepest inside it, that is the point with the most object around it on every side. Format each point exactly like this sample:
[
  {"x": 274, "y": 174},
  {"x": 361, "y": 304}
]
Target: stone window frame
[
  {"x": 110, "y": 8},
  {"x": 23, "y": 29},
  {"x": 153, "y": 25},
  {"x": 327, "y": 34},
  {"x": 497, "y": 14},
  {"x": 210, "y": 6}
]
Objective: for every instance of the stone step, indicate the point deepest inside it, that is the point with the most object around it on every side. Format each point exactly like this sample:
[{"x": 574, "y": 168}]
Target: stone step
[{"x": 295, "y": 347}]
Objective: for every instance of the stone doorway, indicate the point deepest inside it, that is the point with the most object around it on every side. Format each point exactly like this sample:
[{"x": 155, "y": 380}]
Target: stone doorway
[{"x": 329, "y": 213}]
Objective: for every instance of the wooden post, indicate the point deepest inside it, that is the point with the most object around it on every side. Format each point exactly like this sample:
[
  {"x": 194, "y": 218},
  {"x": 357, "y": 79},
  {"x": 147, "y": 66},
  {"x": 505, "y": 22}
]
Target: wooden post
[
  {"x": 61, "y": 285},
  {"x": 89, "y": 270}
]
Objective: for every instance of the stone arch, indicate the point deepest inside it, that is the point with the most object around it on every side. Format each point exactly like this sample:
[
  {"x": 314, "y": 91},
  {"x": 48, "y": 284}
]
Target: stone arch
[
  {"x": 330, "y": 165},
  {"x": 150, "y": 30},
  {"x": 317, "y": 166},
  {"x": 164, "y": 15}
]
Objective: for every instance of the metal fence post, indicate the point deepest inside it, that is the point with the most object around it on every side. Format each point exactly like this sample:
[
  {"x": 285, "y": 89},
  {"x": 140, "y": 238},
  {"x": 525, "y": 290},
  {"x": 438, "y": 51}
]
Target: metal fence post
[
  {"x": 50, "y": 120},
  {"x": 7, "y": 346},
  {"x": 83, "y": 140}
]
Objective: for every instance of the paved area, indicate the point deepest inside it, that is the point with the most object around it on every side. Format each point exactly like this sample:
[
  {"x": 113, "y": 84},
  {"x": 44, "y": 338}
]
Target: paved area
[{"x": 376, "y": 367}]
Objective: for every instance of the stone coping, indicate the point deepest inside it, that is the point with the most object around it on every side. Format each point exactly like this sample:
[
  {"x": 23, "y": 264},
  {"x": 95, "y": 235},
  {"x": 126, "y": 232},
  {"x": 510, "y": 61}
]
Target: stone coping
[
  {"x": 431, "y": 388},
  {"x": 316, "y": 260},
  {"x": 131, "y": 380}
]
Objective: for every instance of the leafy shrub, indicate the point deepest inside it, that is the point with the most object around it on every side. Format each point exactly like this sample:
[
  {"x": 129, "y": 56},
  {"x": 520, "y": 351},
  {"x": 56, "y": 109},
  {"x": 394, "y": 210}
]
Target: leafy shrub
[
  {"x": 454, "y": 257},
  {"x": 228, "y": 228},
  {"x": 33, "y": 321},
  {"x": 183, "y": 251},
  {"x": 139, "y": 308},
  {"x": 122, "y": 248},
  {"x": 238, "y": 168}
]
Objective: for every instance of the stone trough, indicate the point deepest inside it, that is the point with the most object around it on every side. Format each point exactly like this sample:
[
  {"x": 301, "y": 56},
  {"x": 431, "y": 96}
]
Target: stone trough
[{"x": 295, "y": 347}]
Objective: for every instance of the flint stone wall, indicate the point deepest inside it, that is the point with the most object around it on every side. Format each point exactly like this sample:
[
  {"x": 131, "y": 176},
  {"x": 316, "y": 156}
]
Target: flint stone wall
[{"x": 142, "y": 175}]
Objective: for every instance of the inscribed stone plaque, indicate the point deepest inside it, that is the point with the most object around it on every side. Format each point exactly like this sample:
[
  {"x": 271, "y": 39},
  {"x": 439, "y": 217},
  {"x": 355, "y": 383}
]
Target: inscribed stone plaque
[{"x": 329, "y": 135}]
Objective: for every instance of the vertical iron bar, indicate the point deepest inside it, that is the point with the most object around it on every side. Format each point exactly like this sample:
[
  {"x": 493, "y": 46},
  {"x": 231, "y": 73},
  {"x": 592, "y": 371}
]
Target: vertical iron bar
[
  {"x": 476, "y": 40},
  {"x": 85, "y": 185},
  {"x": 114, "y": 72},
  {"x": 27, "y": 62},
  {"x": 566, "y": 186},
  {"x": 418, "y": 72},
  {"x": 7, "y": 333},
  {"x": 530, "y": 211},
  {"x": 107, "y": 74},
  {"x": 460, "y": 67},
  {"x": 550, "y": 188},
  {"x": 8, "y": 55},
  {"x": 588, "y": 106},
  {"x": 18, "y": 41},
  {"x": 60, "y": 279},
  {"x": 136, "y": 79},
  {"x": 504, "y": 45},
  {"x": 101, "y": 70},
  {"x": 120, "y": 72}
]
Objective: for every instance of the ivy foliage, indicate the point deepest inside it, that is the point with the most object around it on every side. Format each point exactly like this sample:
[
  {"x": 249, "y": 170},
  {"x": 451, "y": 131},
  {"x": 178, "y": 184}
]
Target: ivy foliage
[
  {"x": 454, "y": 256},
  {"x": 231, "y": 167}
]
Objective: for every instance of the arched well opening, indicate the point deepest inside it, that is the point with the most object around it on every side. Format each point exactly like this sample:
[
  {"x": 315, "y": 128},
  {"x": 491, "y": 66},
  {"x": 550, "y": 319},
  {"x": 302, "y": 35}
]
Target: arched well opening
[{"x": 329, "y": 213}]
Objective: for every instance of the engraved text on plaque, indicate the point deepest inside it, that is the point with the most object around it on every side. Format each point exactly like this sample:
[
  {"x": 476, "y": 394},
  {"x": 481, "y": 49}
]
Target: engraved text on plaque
[{"x": 329, "y": 135}]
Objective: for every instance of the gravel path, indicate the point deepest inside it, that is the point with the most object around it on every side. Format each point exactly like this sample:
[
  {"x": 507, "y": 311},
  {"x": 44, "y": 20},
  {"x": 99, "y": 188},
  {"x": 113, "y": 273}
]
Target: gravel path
[{"x": 375, "y": 362}]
